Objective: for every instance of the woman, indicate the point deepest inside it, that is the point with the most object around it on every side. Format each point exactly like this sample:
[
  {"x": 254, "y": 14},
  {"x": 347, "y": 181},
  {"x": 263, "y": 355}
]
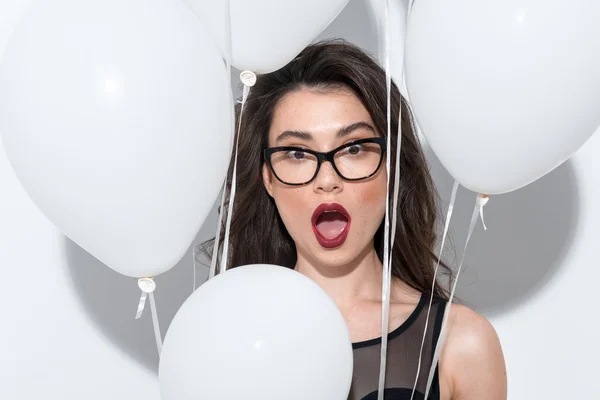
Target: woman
[{"x": 311, "y": 186}]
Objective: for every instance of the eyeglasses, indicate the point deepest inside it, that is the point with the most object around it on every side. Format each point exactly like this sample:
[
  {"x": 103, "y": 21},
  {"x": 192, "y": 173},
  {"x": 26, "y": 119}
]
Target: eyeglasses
[{"x": 353, "y": 161}]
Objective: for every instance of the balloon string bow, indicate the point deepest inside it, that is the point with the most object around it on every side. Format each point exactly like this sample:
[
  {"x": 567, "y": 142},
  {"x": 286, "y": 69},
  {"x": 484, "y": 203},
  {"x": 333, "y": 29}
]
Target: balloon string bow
[
  {"x": 482, "y": 200},
  {"x": 148, "y": 286}
]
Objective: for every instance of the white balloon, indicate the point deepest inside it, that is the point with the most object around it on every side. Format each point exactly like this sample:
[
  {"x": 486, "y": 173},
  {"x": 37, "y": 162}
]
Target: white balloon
[
  {"x": 10, "y": 14},
  {"x": 397, "y": 25},
  {"x": 115, "y": 115},
  {"x": 257, "y": 332},
  {"x": 505, "y": 91},
  {"x": 266, "y": 34}
]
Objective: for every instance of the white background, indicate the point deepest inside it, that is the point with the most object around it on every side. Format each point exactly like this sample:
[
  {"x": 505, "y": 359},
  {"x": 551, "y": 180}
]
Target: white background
[{"x": 67, "y": 327}]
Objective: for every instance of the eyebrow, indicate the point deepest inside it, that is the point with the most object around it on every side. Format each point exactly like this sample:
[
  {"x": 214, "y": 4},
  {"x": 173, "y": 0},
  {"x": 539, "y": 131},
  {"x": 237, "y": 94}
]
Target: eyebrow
[{"x": 345, "y": 131}]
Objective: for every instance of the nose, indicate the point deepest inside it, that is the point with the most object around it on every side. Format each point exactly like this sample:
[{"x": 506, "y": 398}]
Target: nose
[{"x": 327, "y": 179}]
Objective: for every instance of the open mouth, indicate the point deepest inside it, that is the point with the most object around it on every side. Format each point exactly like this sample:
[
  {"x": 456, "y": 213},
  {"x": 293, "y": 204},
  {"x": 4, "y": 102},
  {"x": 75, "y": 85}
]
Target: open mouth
[{"x": 331, "y": 223}]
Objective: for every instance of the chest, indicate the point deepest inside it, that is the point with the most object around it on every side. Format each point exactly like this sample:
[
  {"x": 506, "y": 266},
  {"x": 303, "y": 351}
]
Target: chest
[
  {"x": 364, "y": 319},
  {"x": 406, "y": 329}
]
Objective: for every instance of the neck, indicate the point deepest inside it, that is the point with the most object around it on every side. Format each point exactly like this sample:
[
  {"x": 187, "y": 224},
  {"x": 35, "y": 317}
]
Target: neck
[{"x": 359, "y": 280}]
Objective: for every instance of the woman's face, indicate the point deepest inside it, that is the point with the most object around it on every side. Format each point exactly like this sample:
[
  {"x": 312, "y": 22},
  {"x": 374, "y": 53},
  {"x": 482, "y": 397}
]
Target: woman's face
[{"x": 331, "y": 220}]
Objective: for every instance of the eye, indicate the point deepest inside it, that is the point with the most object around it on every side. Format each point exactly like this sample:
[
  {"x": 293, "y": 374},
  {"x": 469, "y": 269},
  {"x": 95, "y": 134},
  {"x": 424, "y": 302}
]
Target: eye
[
  {"x": 296, "y": 154},
  {"x": 354, "y": 150}
]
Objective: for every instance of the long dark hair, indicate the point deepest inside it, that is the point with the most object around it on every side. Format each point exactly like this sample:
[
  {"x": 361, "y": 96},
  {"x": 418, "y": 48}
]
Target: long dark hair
[{"x": 258, "y": 234}]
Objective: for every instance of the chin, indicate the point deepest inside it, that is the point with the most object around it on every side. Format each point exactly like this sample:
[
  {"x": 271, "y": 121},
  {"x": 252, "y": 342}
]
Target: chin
[
  {"x": 335, "y": 262},
  {"x": 338, "y": 258}
]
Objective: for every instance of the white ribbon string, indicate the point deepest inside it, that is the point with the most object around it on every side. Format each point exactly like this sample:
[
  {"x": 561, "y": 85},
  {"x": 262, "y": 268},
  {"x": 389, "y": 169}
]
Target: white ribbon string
[
  {"x": 482, "y": 220},
  {"x": 213, "y": 261},
  {"x": 396, "y": 171},
  {"x": 411, "y": 3},
  {"x": 141, "y": 305},
  {"x": 157, "y": 334},
  {"x": 224, "y": 258},
  {"x": 147, "y": 286},
  {"x": 481, "y": 201},
  {"x": 437, "y": 265},
  {"x": 194, "y": 264},
  {"x": 385, "y": 289},
  {"x": 396, "y": 182},
  {"x": 229, "y": 47}
]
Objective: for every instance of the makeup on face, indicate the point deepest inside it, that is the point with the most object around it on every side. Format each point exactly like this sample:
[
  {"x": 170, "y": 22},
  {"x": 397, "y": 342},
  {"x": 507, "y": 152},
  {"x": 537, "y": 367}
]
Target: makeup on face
[{"x": 331, "y": 219}]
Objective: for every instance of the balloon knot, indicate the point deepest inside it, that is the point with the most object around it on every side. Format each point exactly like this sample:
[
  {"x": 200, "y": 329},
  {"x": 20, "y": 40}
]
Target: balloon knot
[
  {"x": 248, "y": 78},
  {"x": 147, "y": 285},
  {"x": 482, "y": 199}
]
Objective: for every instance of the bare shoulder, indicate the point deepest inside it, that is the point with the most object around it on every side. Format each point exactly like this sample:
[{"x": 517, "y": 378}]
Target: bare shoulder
[{"x": 472, "y": 363}]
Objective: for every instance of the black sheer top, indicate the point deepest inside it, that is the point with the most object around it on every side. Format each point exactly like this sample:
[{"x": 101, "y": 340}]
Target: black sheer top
[{"x": 404, "y": 344}]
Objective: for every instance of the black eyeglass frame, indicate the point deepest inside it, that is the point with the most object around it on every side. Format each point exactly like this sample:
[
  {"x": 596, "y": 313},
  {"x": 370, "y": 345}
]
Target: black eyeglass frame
[{"x": 322, "y": 157}]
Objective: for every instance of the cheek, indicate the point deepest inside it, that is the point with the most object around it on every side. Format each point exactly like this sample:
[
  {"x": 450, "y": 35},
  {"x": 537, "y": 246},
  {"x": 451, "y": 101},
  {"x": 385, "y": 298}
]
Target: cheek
[
  {"x": 291, "y": 204},
  {"x": 374, "y": 195},
  {"x": 372, "y": 206}
]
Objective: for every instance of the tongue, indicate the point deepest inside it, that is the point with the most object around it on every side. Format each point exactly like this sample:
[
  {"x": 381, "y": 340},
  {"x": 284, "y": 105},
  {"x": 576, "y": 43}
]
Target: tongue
[{"x": 331, "y": 224}]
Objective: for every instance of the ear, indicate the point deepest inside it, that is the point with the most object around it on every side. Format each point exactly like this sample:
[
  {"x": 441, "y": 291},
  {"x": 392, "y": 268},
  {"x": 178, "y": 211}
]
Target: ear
[{"x": 267, "y": 179}]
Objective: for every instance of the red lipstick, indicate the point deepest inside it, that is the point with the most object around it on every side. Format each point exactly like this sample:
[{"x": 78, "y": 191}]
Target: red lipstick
[{"x": 320, "y": 214}]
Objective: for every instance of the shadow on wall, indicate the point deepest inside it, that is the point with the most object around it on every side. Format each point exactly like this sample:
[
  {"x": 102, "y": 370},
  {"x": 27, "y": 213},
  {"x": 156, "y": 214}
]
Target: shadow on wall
[
  {"x": 352, "y": 25},
  {"x": 110, "y": 299},
  {"x": 530, "y": 232}
]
